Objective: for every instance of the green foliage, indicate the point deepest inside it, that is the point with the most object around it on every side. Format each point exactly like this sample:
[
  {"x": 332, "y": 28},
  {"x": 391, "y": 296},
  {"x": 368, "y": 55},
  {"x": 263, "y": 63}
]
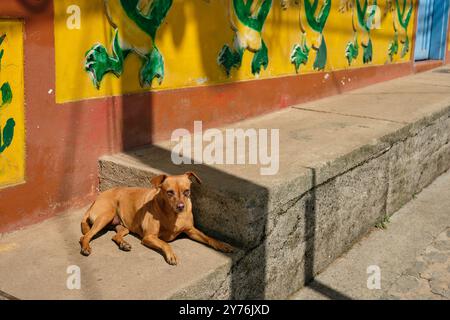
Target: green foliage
[{"x": 382, "y": 224}]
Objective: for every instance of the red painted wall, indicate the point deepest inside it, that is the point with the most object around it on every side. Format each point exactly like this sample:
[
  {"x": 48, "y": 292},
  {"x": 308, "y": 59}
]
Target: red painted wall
[
  {"x": 61, "y": 141},
  {"x": 64, "y": 141}
]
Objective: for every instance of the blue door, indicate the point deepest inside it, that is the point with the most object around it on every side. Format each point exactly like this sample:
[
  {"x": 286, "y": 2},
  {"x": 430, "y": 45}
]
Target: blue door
[
  {"x": 423, "y": 33},
  {"x": 438, "y": 45},
  {"x": 431, "y": 31}
]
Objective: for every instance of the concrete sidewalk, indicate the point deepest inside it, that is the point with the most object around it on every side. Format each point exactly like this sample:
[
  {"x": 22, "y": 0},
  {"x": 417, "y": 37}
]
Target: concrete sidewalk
[
  {"x": 413, "y": 254},
  {"x": 34, "y": 265}
]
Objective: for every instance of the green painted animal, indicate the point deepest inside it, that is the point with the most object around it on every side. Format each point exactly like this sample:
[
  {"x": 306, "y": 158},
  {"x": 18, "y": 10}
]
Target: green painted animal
[
  {"x": 365, "y": 16},
  {"x": 401, "y": 20},
  {"x": 317, "y": 19},
  {"x": 247, "y": 18},
  {"x": 135, "y": 23}
]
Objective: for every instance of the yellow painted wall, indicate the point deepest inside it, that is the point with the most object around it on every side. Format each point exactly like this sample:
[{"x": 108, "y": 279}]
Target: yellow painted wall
[
  {"x": 12, "y": 159},
  {"x": 191, "y": 38}
]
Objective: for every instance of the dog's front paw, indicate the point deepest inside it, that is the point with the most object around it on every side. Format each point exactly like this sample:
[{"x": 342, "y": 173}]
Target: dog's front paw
[
  {"x": 86, "y": 251},
  {"x": 171, "y": 259},
  {"x": 224, "y": 247},
  {"x": 125, "y": 246}
]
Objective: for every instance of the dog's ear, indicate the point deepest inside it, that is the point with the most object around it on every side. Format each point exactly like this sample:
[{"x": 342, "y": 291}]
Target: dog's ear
[
  {"x": 191, "y": 174},
  {"x": 158, "y": 180}
]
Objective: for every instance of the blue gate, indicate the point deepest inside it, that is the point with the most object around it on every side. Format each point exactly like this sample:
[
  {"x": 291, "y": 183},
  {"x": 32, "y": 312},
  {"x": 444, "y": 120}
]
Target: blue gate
[{"x": 431, "y": 31}]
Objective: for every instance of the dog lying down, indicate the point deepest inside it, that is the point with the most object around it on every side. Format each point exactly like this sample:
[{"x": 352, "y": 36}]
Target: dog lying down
[{"x": 158, "y": 215}]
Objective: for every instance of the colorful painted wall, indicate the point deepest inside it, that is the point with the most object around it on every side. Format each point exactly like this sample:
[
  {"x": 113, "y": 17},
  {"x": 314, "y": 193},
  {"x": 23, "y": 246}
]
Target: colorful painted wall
[
  {"x": 12, "y": 124},
  {"x": 107, "y": 48},
  {"x": 85, "y": 82}
]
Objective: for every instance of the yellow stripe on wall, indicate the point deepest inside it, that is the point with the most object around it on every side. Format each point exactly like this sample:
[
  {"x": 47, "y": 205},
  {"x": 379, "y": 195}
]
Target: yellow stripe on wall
[{"x": 191, "y": 38}]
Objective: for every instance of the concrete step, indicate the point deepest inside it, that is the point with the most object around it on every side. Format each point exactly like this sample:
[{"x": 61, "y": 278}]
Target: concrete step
[
  {"x": 345, "y": 163},
  {"x": 34, "y": 264}
]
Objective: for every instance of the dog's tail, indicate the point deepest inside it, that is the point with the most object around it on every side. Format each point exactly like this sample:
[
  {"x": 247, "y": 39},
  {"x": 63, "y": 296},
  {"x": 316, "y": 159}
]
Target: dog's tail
[{"x": 85, "y": 226}]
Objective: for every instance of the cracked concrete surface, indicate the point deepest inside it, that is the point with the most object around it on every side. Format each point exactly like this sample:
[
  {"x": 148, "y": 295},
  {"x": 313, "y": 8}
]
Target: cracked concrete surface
[
  {"x": 413, "y": 254},
  {"x": 429, "y": 277}
]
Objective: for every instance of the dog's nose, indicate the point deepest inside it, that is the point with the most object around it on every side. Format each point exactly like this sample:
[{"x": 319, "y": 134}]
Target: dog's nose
[{"x": 180, "y": 206}]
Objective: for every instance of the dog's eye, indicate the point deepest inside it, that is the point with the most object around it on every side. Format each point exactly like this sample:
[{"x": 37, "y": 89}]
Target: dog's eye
[
  {"x": 187, "y": 193},
  {"x": 170, "y": 193}
]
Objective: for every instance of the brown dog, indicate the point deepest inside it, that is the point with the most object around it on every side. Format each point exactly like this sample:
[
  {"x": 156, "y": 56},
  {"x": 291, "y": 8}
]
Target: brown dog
[{"x": 157, "y": 215}]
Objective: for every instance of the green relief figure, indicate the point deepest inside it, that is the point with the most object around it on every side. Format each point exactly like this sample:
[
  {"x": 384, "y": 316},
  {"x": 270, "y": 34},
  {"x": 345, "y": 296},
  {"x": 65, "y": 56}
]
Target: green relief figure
[
  {"x": 365, "y": 22},
  {"x": 393, "y": 47},
  {"x": 368, "y": 52},
  {"x": 300, "y": 53},
  {"x": 6, "y": 92},
  {"x": 316, "y": 22},
  {"x": 247, "y": 18},
  {"x": 2, "y": 37},
  {"x": 7, "y": 132},
  {"x": 352, "y": 50},
  {"x": 402, "y": 18},
  {"x": 139, "y": 21},
  {"x": 365, "y": 16}
]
